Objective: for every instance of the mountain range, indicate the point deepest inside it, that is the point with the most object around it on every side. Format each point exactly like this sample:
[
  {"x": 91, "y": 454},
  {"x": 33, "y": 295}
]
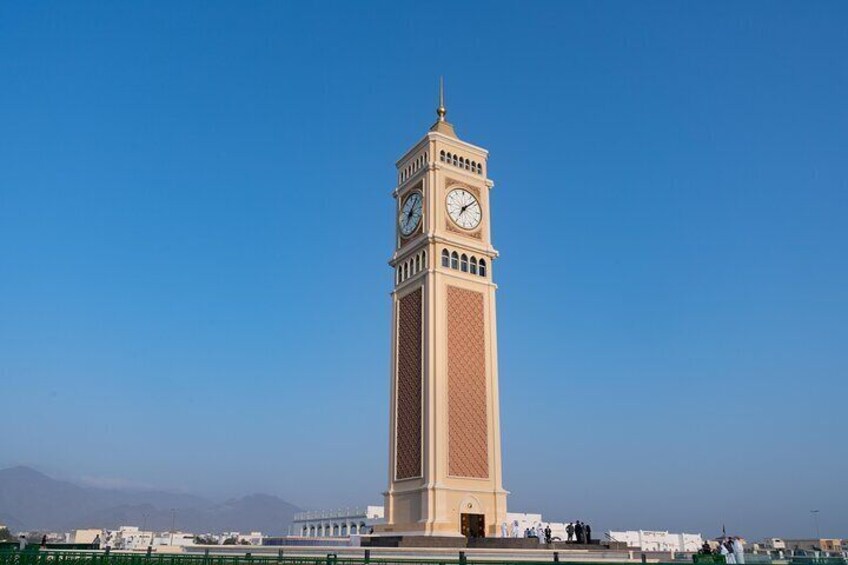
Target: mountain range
[{"x": 30, "y": 500}]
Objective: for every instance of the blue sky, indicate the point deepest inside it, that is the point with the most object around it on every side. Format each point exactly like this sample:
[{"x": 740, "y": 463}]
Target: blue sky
[{"x": 195, "y": 219}]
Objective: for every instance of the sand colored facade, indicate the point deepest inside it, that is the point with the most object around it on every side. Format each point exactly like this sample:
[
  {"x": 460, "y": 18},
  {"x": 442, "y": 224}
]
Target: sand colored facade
[{"x": 445, "y": 449}]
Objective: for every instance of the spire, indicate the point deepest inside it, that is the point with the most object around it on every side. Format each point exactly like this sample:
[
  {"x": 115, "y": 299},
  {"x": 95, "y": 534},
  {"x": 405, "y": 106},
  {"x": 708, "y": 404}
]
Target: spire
[
  {"x": 441, "y": 110},
  {"x": 442, "y": 125}
]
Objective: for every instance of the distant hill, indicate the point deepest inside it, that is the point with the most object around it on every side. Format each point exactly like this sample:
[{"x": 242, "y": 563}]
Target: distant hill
[{"x": 30, "y": 500}]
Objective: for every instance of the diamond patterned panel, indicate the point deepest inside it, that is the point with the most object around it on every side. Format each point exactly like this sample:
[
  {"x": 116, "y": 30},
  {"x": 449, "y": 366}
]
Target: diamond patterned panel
[
  {"x": 408, "y": 436},
  {"x": 467, "y": 430}
]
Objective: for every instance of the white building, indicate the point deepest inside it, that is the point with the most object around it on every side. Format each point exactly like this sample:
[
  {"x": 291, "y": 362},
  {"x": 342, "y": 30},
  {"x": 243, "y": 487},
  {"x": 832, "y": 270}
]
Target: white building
[
  {"x": 358, "y": 521},
  {"x": 253, "y": 538},
  {"x": 652, "y": 540},
  {"x": 130, "y": 538},
  {"x": 336, "y": 523},
  {"x": 173, "y": 539},
  {"x": 519, "y": 522}
]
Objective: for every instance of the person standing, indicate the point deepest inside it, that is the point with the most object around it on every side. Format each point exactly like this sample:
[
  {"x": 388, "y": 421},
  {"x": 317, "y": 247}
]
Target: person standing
[
  {"x": 738, "y": 551},
  {"x": 587, "y": 533},
  {"x": 548, "y": 533},
  {"x": 569, "y": 529},
  {"x": 578, "y": 531},
  {"x": 728, "y": 547}
]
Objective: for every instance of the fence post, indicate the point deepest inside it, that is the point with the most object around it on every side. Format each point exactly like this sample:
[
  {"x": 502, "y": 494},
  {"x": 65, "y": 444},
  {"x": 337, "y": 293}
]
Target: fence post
[
  {"x": 644, "y": 558},
  {"x": 368, "y": 556},
  {"x": 556, "y": 556},
  {"x": 462, "y": 560},
  {"x": 279, "y": 555},
  {"x": 149, "y": 550}
]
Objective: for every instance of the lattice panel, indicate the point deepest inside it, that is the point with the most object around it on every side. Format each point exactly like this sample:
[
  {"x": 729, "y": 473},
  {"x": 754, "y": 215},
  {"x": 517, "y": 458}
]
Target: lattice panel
[
  {"x": 468, "y": 454},
  {"x": 408, "y": 417}
]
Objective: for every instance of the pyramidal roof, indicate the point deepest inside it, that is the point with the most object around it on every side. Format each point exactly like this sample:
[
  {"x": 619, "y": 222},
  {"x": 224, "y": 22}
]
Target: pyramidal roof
[{"x": 442, "y": 125}]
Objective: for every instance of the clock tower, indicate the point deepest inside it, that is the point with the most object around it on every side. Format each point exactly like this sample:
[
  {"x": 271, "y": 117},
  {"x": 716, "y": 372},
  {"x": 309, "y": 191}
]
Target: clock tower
[{"x": 445, "y": 448}]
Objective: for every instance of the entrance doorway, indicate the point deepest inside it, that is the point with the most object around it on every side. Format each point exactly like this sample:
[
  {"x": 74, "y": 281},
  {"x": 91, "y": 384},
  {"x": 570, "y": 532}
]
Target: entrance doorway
[{"x": 473, "y": 525}]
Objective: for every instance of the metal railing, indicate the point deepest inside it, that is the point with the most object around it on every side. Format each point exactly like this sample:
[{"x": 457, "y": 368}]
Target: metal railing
[{"x": 75, "y": 557}]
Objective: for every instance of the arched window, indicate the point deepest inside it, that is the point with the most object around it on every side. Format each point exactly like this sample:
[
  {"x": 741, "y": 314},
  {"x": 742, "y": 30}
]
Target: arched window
[
  {"x": 335, "y": 530},
  {"x": 455, "y": 162},
  {"x": 461, "y": 162},
  {"x": 473, "y": 166},
  {"x": 424, "y": 259},
  {"x": 463, "y": 263},
  {"x": 397, "y": 275},
  {"x": 344, "y": 529},
  {"x": 482, "y": 267},
  {"x": 425, "y": 158},
  {"x": 454, "y": 260},
  {"x": 479, "y": 168},
  {"x": 362, "y": 527},
  {"x": 473, "y": 265},
  {"x": 442, "y": 156},
  {"x": 445, "y": 258},
  {"x": 417, "y": 263},
  {"x": 467, "y": 165},
  {"x": 405, "y": 270}
]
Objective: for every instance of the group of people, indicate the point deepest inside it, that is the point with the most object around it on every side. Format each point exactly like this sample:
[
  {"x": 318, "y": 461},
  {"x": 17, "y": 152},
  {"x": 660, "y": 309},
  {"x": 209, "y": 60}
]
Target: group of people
[
  {"x": 730, "y": 548},
  {"x": 537, "y": 532},
  {"x": 579, "y": 530},
  {"x": 576, "y": 532}
]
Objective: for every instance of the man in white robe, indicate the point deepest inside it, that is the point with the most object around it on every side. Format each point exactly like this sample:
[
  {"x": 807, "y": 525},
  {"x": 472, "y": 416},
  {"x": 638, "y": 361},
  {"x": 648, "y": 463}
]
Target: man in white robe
[{"x": 738, "y": 552}]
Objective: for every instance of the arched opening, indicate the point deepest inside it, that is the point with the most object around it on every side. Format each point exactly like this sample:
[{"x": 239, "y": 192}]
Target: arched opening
[
  {"x": 454, "y": 260},
  {"x": 417, "y": 263},
  {"x": 442, "y": 156},
  {"x": 463, "y": 263},
  {"x": 445, "y": 258},
  {"x": 473, "y": 266},
  {"x": 424, "y": 259},
  {"x": 482, "y": 267},
  {"x": 461, "y": 162},
  {"x": 455, "y": 162}
]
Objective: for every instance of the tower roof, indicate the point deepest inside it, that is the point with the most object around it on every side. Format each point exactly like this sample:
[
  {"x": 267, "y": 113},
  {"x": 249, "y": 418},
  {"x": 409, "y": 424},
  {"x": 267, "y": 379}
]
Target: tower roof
[{"x": 442, "y": 125}]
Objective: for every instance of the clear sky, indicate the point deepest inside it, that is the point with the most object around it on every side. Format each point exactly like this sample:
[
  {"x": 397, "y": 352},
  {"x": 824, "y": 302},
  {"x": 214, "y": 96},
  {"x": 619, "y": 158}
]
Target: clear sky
[{"x": 195, "y": 219}]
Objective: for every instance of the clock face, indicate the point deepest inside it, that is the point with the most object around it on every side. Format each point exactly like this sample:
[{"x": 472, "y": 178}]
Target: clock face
[
  {"x": 464, "y": 209},
  {"x": 410, "y": 213}
]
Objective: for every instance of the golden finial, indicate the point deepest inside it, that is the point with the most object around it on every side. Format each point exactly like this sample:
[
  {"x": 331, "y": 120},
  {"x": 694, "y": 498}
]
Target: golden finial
[{"x": 441, "y": 110}]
